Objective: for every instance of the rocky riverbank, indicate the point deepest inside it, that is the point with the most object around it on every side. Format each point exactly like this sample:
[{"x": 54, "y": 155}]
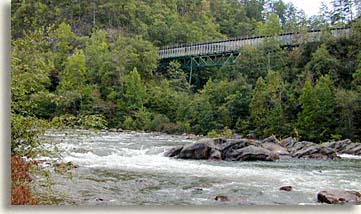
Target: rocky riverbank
[{"x": 269, "y": 149}]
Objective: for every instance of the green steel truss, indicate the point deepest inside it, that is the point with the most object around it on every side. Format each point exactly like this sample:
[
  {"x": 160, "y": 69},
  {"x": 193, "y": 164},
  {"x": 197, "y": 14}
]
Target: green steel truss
[{"x": 191, "y": 63}]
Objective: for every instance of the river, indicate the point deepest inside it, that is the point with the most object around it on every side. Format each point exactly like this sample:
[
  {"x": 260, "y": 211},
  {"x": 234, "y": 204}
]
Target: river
[{"x": 128, "y": 168}]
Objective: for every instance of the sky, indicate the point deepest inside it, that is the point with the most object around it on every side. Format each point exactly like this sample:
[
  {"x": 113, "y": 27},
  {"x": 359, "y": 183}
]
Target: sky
[{"x": 311, "y": 7}]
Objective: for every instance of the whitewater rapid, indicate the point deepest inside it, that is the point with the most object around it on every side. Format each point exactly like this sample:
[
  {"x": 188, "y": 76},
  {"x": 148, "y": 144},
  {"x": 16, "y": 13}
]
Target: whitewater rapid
[{"x": 114, "y": 163}]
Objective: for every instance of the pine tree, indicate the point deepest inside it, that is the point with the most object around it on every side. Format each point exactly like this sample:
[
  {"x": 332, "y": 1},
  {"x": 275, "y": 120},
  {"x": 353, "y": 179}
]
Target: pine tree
[
  {"x": 346, "y": 106},
  {"x": 275, "y": 119},
  {"x": 310, "y": 108},
  {"x": 258, "y": 108},
  {"x": 316, "y": 121},
  {"x": 134, "y": 91},
  {"x": 326, "y": 114}
]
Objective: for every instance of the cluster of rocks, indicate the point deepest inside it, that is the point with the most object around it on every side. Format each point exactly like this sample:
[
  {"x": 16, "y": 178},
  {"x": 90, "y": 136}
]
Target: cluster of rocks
[
  {"x": 331, "y": 196},
  {"x": 269, "y": 149}
]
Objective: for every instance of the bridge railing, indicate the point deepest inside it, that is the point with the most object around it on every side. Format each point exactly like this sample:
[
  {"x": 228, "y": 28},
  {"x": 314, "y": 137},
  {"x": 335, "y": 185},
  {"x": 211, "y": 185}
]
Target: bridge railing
[{"x": 233, "y": 45}]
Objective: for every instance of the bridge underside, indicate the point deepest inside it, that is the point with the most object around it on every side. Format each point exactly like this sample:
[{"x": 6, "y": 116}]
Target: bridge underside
[{"x": 190, "y": 63}]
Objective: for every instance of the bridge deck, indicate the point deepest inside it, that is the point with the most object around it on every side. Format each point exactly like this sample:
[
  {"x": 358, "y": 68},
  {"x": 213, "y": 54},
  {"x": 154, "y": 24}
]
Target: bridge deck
[{"x": 233, "y": 45}]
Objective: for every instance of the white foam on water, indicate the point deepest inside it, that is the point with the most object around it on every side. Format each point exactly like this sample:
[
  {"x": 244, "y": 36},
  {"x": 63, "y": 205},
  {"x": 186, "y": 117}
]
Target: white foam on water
[
  {"x": 348, "y": 156},
  {"x": 139, "y": 160}
]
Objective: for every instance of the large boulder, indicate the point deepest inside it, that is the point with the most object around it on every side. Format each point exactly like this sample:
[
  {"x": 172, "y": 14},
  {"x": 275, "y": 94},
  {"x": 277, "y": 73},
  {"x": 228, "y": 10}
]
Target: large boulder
[
  {"x": 316, "y": 152},
  {"x": 215, "y": 155},
  {"x": 338, "y": 145},
  {"x": 297, "y": 146},
  {"x": 232, "y": 145},
  {"x": 173, "y": 151},
  {"x": 288, "y": 142},
  {"x": 275, "y": 148},
  {"x": 251, "y": 153},
  {"x": 339, "y": 197},
  {"x": 271, "y": 139},
  {"x": 199, "y": 150},
  {"x": 352, "y": 149}
]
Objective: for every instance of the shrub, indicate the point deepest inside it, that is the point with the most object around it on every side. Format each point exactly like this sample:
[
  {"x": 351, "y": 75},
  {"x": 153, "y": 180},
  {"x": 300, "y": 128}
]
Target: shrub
[
  {"x": 227, "y": 133},
  {"x": 92, "y": 121},
  {"x": 24, "y": 134},
  {"x": 20, "y": 182},
  {"x": 81, "y": 121},
  {"x": 158, "y": 122}
]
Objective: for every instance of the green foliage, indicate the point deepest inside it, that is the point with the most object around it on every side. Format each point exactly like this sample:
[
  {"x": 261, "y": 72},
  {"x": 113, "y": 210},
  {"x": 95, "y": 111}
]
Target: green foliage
[
  {"x": 128, "y": 123},
  {"x": 84, "y": 65},
  {"x": 310, "y": 108},
  {"x": 134, "y": 91},
  {"x": 161, "y": 98},
  {"x": 158, "y": 122},
  {"x": 74, "y": 74},
  {"x": 258, "y": 107},
  {"x": 322, "y": 63},
  {"x": 64, "y": 40},
  {"x": 326, "y": 115},
  {"x": 212, "y": 134},
  {"x": 92, "y": 122},
  {"x": 226, "y": 133},
  {"x": 271, "y": 27},
  {"x": 202, "y": 115},
  {"x": 184, "y": 127},
  {"x": 316, "y": 120},
  {"x": 134, "y": 52},
  {"x": 346, "y": 101},
  {"x": 141, "y": 120},
  {"x": 98, "y": 58},
  {"x": 24, "y": 134},
  {"x": 74, "y": 94},
  {"x": 177, "y": 77},
  {"x": 232, "y": 17},
  {"x": 30, "y": 69},
  {"x": 79, "y": 121},
  {"x": 64, "y": 121},
  {"x": 266, "y": 107}
]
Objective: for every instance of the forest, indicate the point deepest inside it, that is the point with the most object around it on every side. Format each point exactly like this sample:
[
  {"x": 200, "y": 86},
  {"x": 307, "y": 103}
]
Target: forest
[{"x": 95, "y": 65}]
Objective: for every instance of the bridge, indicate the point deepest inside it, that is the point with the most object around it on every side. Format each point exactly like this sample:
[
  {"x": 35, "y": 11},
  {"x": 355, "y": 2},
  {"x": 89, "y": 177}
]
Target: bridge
[{"x": 226, "y": 52}]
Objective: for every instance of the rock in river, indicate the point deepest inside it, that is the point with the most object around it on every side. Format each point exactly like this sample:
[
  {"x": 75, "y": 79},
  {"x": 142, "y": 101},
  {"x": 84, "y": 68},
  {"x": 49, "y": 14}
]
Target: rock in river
[
  {"x": 223, "y": 198},
  {"x": 252, "y": 153},
  {"x": 339, "y": 197},
  {"x": 286, "y": 188},
  {"x": 199, "y": 150},
  {"x": 271, "y": 139},
  {"x": 173, "y": 151},
  {"x": 316, "y": 152},
  {"x": 275, "y": 148}
]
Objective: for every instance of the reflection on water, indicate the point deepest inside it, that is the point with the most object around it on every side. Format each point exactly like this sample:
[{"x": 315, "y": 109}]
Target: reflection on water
[{"x": 128, "y": 168}]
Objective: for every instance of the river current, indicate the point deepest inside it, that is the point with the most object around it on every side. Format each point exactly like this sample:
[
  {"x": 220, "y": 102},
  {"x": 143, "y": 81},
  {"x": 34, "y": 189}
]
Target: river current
[{"x": 129, "y": 168}]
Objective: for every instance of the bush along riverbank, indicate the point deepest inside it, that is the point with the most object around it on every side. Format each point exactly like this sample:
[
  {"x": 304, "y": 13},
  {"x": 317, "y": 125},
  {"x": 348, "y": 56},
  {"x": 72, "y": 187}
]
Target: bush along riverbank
[{"x": 20, "y": 182}]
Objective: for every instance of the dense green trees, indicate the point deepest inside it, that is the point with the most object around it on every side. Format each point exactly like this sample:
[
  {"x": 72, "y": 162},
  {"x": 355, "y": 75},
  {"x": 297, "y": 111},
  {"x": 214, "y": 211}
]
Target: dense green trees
[{"x": 76, "y": 64}]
